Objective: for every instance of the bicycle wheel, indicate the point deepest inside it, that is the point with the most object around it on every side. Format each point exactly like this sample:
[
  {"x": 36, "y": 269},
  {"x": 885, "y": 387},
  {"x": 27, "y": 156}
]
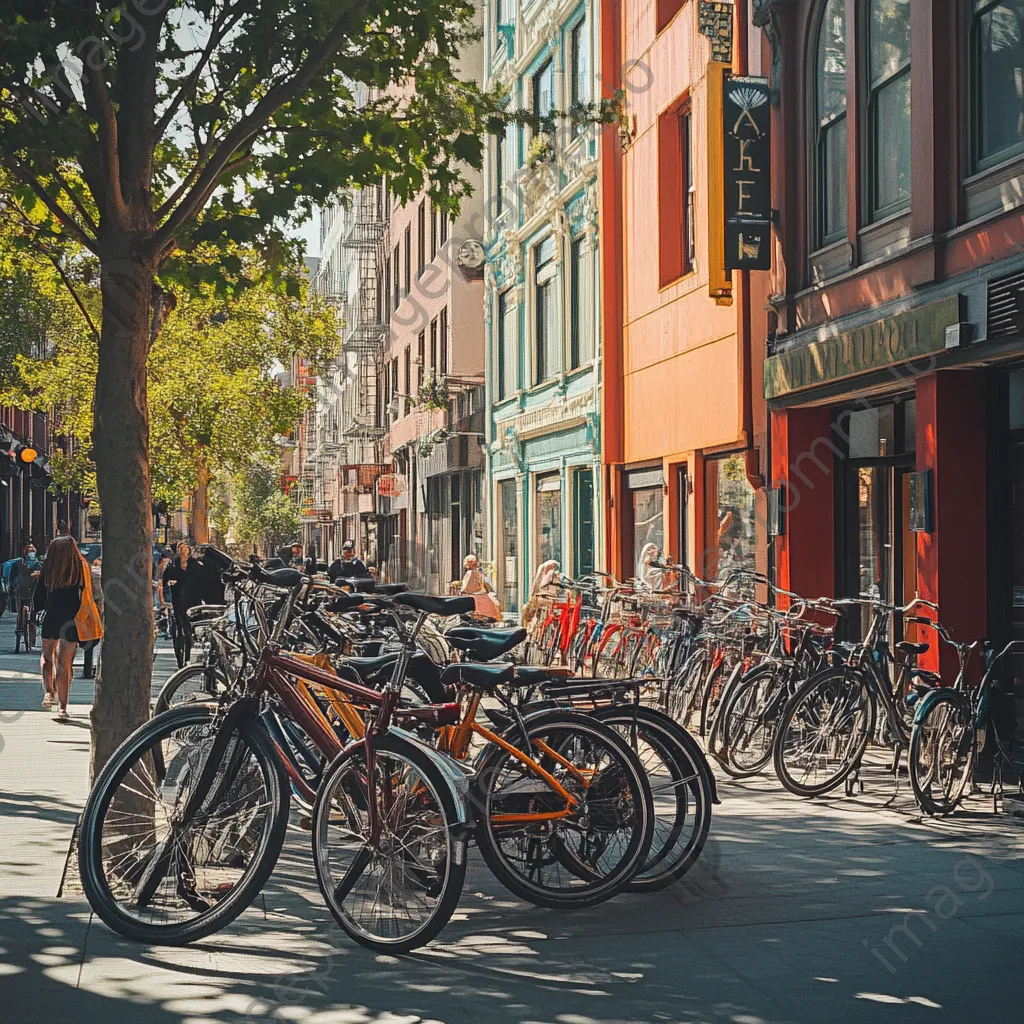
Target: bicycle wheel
[
  {"x": 162, "y": 862},
  {"x": 823, "y": 732},
  {"x": 746, "y": 725},
  {"x": 189, "y": 684},
  {"x": 546, "y": 851},
  {"x": 608, "y": 652},
  {"x": 686, "y": 687},
  {"x": 680, "y": 788},
  {"x": 397, "y": 893},
  {"x": 942, "y": 753}
]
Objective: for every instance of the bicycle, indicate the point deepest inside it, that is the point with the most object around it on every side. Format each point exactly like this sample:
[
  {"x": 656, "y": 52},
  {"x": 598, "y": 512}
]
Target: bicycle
[
  {"x": 186, "y": 821},
  {"x": 825, "y": 727},
  {"x": 951, "y": 725}
]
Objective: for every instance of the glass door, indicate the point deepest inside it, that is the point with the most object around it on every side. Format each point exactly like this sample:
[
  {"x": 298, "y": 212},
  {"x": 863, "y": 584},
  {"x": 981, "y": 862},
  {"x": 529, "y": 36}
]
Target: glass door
[{"x": 508, "y": 565}]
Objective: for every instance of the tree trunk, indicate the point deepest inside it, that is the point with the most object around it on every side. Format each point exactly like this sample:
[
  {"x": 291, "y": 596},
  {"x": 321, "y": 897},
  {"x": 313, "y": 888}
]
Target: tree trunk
[
  {"x": 121, "y": 449},
  {"x": 201, "y": 505}
]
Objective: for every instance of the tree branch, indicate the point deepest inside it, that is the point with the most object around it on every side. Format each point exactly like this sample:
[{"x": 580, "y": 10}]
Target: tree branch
[
  {"x": 102, "y": 108},
  {"x": 60, "y": 270},
  {"x": 217, "y": 34},
  {"x": 242, "y": 134},
  {"x": 54, "y": 207}
]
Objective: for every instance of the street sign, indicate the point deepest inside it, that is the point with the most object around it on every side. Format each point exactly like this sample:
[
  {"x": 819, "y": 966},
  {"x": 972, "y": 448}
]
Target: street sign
[{"x": 747, "y": 119}]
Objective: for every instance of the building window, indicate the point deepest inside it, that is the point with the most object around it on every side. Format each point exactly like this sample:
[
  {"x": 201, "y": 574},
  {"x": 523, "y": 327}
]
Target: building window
[
  {"x": 730, "y": 530},
  {"x": 548, "y": 342},
  {"x": 394, "y": 389},
  {"x": 582, "y": 276},
  {"x": 408, "y": 259},
  {"x": 444, "y": 342},
  {"x": 433, "y": 348},
  {"x": 421, "y": 237},
  {"x": 666, "y": 11},
  {"x": 549, "y": 518},
  {"x": 506, "y": 345},
  {"x": 407, "y": 366},
  {"x": 421, "y": 359},
  {"x": 433, "y": 232},
  {"x": 443, "y": 217},
  {"x": 387, "y": 281},
  {"x": 544, "y": 89},
  {"x": 997, "y": 36},
  {"x": 584, "y": 526},
  {"x": 889, "y": 107},
  {"x": 508, "y": 567},
  {"x": 646, "y": 510},
  {"x": 499, "y": 20},
  {"x": 503, "y": 166},
  {"x": 397, "y": 259},
  {"x": 579, "y": 61},
  {"x": 830, "y": 147},
  {"x": 676, "y": 195}
]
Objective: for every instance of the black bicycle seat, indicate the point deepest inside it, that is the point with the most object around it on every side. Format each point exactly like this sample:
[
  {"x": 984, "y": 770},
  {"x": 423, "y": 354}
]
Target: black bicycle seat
[
  {"x": 206, "y": 611},
  {"x": 482, "y": 677},
  {"x": 433, "y": 604},
  {"x": 284, "y": 578},
  {"x": 344, "y": 603},
  {"x": 532, "y": 675},
  {"x": 485, "y": 644},
  {"x": 906, "y": 647},
  {"x": 359, "y": 584},
  {"x": 368, "y": 668}
]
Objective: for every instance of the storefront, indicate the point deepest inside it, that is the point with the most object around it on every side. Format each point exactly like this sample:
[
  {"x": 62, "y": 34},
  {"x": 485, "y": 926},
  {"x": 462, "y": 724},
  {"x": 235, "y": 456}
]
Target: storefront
[{"x": 898, "y": 464}]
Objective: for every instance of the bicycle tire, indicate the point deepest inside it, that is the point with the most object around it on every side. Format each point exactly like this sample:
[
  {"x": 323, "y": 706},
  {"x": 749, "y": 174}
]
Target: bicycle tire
[
  {"x": 674, "y": 850},
  {"x": 605, "y": 658},
  {"x": 634, "y": 794},
  {"x": 455, "y": 854},
  {"x": 854, "y": 750},
  {"x": 176, "y": 682},
  {"x": 735, "y": 730},
  {"x": 90, "y": 845},
  {"x": 965, "y": 747}
]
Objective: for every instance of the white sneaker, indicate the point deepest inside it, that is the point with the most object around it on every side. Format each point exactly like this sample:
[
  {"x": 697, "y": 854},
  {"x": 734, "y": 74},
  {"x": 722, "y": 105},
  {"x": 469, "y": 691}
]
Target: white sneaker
[{"x": 62, "y": 716}]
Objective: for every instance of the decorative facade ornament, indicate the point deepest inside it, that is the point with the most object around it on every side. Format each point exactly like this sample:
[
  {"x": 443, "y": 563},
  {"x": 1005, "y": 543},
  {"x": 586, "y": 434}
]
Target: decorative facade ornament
[{"x": 714, "y": 19}]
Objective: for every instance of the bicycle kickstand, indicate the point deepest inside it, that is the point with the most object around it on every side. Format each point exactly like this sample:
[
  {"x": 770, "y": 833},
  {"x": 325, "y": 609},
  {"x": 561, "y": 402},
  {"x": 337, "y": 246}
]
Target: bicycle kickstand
[
  {"x": 895, "y": 769},
  {"x": 852, "y": 780},
  {"x": 997, "y": 783}
]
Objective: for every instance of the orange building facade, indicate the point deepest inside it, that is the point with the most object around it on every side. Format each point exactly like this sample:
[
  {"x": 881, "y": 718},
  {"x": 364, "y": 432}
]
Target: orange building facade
[{"x": 684, "y": 426}]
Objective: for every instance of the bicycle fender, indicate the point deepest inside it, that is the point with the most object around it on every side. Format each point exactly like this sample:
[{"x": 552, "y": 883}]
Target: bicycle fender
[
  {"x": 452, "y": 773},
  {"x": 933, "y": 695}
]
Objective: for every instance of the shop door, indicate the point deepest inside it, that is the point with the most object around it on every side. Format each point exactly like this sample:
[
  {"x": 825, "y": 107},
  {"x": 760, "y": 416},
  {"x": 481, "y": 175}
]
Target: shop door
[{"x": 583, "y": 518}]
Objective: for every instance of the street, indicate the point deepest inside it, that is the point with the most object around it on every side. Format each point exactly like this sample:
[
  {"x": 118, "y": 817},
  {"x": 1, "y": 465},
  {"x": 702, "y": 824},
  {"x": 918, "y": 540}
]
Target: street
[{"x": 797, "y": 912}]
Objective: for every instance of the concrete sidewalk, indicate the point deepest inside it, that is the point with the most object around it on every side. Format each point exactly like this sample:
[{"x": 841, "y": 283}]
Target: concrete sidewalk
[{"x": 836, "y": 910}]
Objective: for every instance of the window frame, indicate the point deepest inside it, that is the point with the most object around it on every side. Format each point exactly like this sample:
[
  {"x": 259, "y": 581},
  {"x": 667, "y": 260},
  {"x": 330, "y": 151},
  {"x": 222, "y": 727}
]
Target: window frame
[
  {"x": 397, "y": 282},
  {"x": 421, "y": 238},
  {"x": 821, "y": 126},
  {"x": 579, "y": 44},
  {"x": 443, "y": 319},
  {"x": 506, "y": 389},
  {"x": 546, "y": 66},
  {"x": 408, "y": 258},
  {"x": 869, "y": 92},
  {"x": 541, "y": 372},
  {"x": 677, "y": 193},
  {"x": 576, "y": 297},
  {"x": 978, "y": 164}
]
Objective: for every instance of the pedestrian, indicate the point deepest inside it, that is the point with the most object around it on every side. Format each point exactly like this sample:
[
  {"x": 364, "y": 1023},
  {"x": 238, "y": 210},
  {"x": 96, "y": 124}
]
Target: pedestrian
[
  {"x": 23, "y": 580},
  {"x": 296, "y": 559},
  {"x": 181, "y": 576},
  {"x": 89, "y": 646},
  {"x": 348, "y": 567},
  {"x": 476, "y": 585},
  {"x": 70, "y": 617}
]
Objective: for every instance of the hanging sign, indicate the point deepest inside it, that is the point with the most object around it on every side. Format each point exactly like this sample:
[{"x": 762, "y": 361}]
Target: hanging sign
[
  {"x": 748, "y": 183},
  {"x": 391, "y": 485}
]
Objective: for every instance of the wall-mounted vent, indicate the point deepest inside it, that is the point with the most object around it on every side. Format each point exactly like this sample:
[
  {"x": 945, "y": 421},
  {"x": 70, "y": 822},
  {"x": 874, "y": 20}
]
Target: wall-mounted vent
[{"x": 1006, "y": 306}]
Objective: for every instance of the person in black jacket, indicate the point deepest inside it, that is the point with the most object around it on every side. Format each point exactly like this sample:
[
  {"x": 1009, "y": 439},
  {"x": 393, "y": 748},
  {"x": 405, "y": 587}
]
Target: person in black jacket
[
  {"x": 348, "y": 567},
  {"x": 184, "y": 577}
]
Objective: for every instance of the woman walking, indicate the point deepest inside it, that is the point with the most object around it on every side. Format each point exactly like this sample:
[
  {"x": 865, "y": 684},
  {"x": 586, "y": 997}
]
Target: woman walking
[
  {"x": 71, "y": 617},
  {"x": 183, "y": 576}
]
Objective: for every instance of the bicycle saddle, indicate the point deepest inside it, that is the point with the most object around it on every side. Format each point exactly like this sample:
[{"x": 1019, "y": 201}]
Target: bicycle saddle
[
  {"x": 485, "y": 644},
  {"x": 481, "y": 676},
  {"x": 909, "y": 649},
  {"x": 433, "y": 604},
  {"x": 532, "y": 675},
  {"x": 345, "y": 603},
  {"x": 284, "y": 578}
]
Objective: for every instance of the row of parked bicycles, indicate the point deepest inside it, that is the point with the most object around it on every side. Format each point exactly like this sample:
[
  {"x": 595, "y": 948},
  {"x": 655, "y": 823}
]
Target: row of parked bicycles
[
  {"x": 766, "y": 684},
  {"x": 401, "y": 732}
]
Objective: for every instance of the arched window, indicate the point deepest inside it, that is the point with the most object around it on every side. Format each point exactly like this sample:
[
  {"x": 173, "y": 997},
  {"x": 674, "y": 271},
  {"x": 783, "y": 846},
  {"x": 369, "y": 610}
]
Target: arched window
[
  {"x": 888, "y": 53},
  {"x": 997, "y": 41},
  {"x": 830, "y": 121}
]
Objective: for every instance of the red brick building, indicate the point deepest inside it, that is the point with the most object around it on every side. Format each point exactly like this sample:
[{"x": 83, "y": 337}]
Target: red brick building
[{"x": 895, "y": 369}]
